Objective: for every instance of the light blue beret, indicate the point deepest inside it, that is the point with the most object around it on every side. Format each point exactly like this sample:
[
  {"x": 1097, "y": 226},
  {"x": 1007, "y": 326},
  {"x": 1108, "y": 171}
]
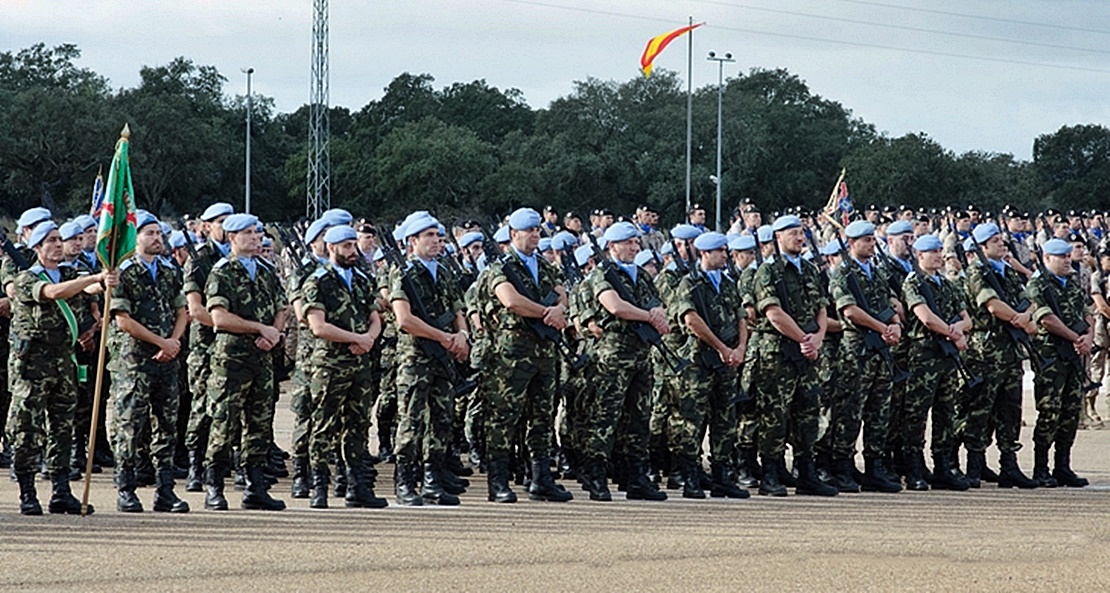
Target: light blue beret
[
  {"x": 602, "y": 242},
  {"x": 787, "y": 221},
  {"x": 501, "y": 235},
  {"x": 41, "y": 231},
  {"x": 545, "y": 244},
  {"x": 859, "y": 228},
  {"x": 742, "y": 243},
  {"x": 70, "y": 230},
  {"x": 420, "y": 223},
  {"x": 524, "y": 219},
  {"x": 240, "y": 222},
  {"x": 143, "y": 218},
  {"x": 830, "y": 248},
  {"x": 165, "y": 227},
  {"x": 666, "y": 249},
  {"x": 378, "y": 255},
  {"x": 338, "y": 216},
  {"x": 177, "y": 239},
  {"x": 583, "y": 254},
  {"x": 399, "y": 233},
  {"x": 563, "y": 239},
  {"x": 472, "y": 237},
  {"x": 686, "y": 232},
  {"x": 315, "y": 229},
  {"x": 928, "y": 243},
  {"x": 899, "y": 227},
  {"x": 339, "y": 234},
  {"x": 710, "y": 241},
  {"x": 216, "y": 210},
  {"x": 85, "y": 221},
  {"x": 645, "y": 257},
  {"x": 984, "y": 232},
  {"x": 1051, "y": 247},
  {"x": 33, "y": 216},
  {"x": 442, "y": 230},
  {"x": 969, "y": 244},
  {"x": 766, "y": 233},
  {"x": 621, "y": 231}
]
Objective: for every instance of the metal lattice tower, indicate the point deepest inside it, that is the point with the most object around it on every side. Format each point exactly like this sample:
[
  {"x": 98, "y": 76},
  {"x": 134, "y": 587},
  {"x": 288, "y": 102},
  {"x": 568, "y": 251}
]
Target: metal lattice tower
[{"x": 318, "y": 182}]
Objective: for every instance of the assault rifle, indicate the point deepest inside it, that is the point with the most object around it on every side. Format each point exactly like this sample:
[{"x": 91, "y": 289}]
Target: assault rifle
[
  {"x": 945, "y": 345},
  {"x": 791, "y": 350},
  {"x": 872, "y": 340},
  {"x": 648, "y": 334},
  {"x": 13, "y": 251},
  {"x": 541, "y": 329}
]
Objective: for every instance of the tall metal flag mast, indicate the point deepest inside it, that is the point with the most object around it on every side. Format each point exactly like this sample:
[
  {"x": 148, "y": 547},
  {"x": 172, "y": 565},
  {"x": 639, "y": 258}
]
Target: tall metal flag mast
[{"x": 318, "y": 182}]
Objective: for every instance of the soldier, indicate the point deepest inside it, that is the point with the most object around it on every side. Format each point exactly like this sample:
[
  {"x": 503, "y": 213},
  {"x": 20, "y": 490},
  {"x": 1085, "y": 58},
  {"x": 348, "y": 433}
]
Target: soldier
[
  {"x": 938, "y": 314},
  {"x": 862, "y": 295},
  {"x": 526, "y": 365},
  {"x": 148, "y": 320},
  {"x": 43, "y": 375},
  {"x": 202, "y": 336},
  {"x": 993, "y": 355},
  {"x": 624, "y": 375},
  {"x": 784, "y": 382},
  {"x": 695, "y": 217},
  {"x": 550, "y": 224},
  {"x": 86, "y": 311},
  {"x": 424, "y": 383},
  {"x": 747, "y": 453},
  {"x": 708, "y": 305},
  {"x": 1065, "y": 331},
  {"x": 341, "y": 310},
  {"x": 248, "y": 313}
]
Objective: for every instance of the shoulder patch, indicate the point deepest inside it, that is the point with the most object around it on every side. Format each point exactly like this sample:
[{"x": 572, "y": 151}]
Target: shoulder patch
[
  {"x": 320, "y": 272},
  {"x": 223, "y": 262},
  {"x": 127, "y": 264},
  {"x": 36, "y": 269}
]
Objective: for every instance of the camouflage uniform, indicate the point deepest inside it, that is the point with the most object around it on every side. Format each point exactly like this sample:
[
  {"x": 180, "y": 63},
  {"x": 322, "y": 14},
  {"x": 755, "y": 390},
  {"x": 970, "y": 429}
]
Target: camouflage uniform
[
  {"x": 242, "y": 375},
  {"x": 577, "y": 384},
  {"x": 385, "y": 415},
  {"x": 300, "y": 399},
  {"x": 1058, "y": 390},
  {"x": 667, "y": 388},
  {"x": 8, "y": 272},
  {"x": 201, "y": 339},
  {"x": 144, "y": 391},
  {"x": 747, "y": 417},
  {"x": 341, "y": 385},
  {"x": 481, "y": 302},
  {"x": 82, "y": 306}
]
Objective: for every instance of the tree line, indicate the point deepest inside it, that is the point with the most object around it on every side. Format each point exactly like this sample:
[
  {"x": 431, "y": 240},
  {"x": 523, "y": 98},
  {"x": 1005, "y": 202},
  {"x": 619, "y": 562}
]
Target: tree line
[{"x": 470, "y": 149}]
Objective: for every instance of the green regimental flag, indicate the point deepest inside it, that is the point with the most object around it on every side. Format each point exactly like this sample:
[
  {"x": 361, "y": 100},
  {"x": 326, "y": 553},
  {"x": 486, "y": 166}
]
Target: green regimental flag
[{"x": 115, "y": 241}]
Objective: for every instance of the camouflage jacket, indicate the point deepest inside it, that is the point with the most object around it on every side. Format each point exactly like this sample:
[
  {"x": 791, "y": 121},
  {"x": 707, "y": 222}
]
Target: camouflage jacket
[
  {"x": 666, "y": 282},
  {"x": 979, "y": 293},
  {"x": 441, "y": 297},
  {"x": 197, "y": 270},
  {"x": 642, "y": 290},
  {"x": 82, "y": 304},
  {"x": 8, "y": 269},
  {"x": 34, "y": 317},
  {"x": 723, "y": 311},
  {"x": 230, "y": 286},
  {"x": 876, "y": 291},
  {"x": 152, "y": 303},
  {"x": 349, "y": 309},
  {"x": 1070, "y": 296},
  {"x": 948, "y": 299},
  {"x": 802, "y": 289},
  {"x": 549, "y": 279}
]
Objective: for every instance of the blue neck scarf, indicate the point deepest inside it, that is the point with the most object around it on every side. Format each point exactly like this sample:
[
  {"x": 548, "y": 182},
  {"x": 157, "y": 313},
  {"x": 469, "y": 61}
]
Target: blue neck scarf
[
  {"x": 629, "y": 269},
  {"x": 532, "y": 263},
  {"x": 345, "y": 274},
  {"x": 714, "y": 277},
  {"x": 794, "y": 259},
  {"x": 152, "y": 267},
  {"x": 251, "y": 266},
  {"x": 432, "y": 267}
]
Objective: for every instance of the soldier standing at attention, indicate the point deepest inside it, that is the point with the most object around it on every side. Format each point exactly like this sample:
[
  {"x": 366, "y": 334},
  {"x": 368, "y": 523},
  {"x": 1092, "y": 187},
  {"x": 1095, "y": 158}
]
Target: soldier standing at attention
[
  {"x": 1063, "y": 322},
  {"x": 342, "y": 312},
  {"x": 526, "y": 365},
  {"x": 201, "y": 337},
  {"x": 148, "y": 320},
  {"x": 248, "y": 313},
  {"x": 792, "y": 320},
  {"x": 43, "y": 375},
  {"x": 424, "y": 384},
  {"x": 624, "y": 375}
]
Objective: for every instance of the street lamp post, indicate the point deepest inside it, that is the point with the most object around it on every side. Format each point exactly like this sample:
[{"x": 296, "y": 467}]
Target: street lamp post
[
  {"x": 247, "y": 200},
  {"x": 713, "y": 57}
]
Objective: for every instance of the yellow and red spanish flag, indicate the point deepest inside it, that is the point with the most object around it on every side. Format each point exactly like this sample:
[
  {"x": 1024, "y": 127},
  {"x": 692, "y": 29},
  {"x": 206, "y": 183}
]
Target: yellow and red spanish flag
[{"x": 656, "y": 45}]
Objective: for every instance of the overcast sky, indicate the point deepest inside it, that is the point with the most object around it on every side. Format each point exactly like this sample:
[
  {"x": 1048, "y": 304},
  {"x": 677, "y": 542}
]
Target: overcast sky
[{"x": 840, "y": 47}]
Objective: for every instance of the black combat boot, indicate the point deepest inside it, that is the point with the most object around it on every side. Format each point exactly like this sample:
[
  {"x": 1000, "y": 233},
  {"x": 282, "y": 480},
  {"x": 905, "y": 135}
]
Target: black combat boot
[
  {"x": 195, "y": 480},
  {"x": 405, "y": 480},
  {"x": 432, "y": 490},
  {"x": 1062, "y": 469},
  {"x": 915, "y": 472},
  {"x": 988, "y": 475},
  {"x": 144, "y": 471},
  {"x": 976, "y": 463},
  {"x": 165, "y": 501},
  {"x": 1010, "y": 475},
  {"x": 596, "y": 481},
  {"x": 452, "y": 484},
  {"x": 640, "y": 486},
  {"x": 1041, "y": 472},
  {"x": 320, "y": 481},
  {"x": 276, "y": 465},
  {"x": 787, "y": 476},
  {"x": 724, "y": 482},
  {"x": 28, "y": 498},
  {"x": 340, "y": 478},
  {"x": 543, "y": 486},
  {"x": 300, "y": 477},
  {"x": 691, "y": 479},
  {"x": 770, "y": 485},
  {"x": 359, "y": 493},
  {"x": 746, "y": 466},
  {"x": 497, "y": 481},
  {"x": 385, "y": 447},
  {"x": 62, "y": 499},
  {"x": 214, "y": 487},
  {"x": 454, "y": 465},
  {"x": 946, "y": 476},
  {"x": 255, "y": 496},
  {"x": 823, "y": 464},
  {"x": 808, "y": 484},
  {"x": 875, "y": 477},
  {"x": 843, "y": 475}
]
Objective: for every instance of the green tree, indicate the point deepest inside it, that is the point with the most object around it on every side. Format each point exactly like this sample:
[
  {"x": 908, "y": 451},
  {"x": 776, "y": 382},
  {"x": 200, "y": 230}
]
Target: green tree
[{"x": 1074, "y": 163}]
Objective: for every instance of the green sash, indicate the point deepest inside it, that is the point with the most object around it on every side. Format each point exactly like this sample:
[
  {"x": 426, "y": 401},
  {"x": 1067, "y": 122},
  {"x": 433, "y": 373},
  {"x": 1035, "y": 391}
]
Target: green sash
[{"x": 71, "y": 321}]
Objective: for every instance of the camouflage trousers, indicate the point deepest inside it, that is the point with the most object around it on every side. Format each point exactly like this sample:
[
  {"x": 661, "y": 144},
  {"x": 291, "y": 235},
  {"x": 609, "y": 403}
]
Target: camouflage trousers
[
  {"x": 621, "y": 400},
  {"x": 342, "y": 395},
  {"x": 895, "y": 436},
  {"x": 704, "y": 403},
  {"x": 301, "y": 398},
  {"x": 43, "y": 382},
  {"x": 787, "y": 396},
  {"x": 425, "y": 399},
  {"x": 994, "y": 406},
  {"x": 199, "y": 371},
  {"x": 144, "y": 400},
  {"x": 861, "y": 401},
  {"x": 576, "y": 394},
  {"x": 385, "y": 413},
  {"x": 239, "y": 402},
  {"x": 747, "y": 414},
  {"x": 1058, "y": 392},
  {"x": 933, "y": 384},
  {"x": 527, "y": 374},
  {"x": 666, "y": 390}
]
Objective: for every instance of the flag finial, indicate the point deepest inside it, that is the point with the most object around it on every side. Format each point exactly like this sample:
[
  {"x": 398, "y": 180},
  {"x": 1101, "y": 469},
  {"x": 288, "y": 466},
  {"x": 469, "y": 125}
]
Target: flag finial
[{"x": 126, "y": 132}]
